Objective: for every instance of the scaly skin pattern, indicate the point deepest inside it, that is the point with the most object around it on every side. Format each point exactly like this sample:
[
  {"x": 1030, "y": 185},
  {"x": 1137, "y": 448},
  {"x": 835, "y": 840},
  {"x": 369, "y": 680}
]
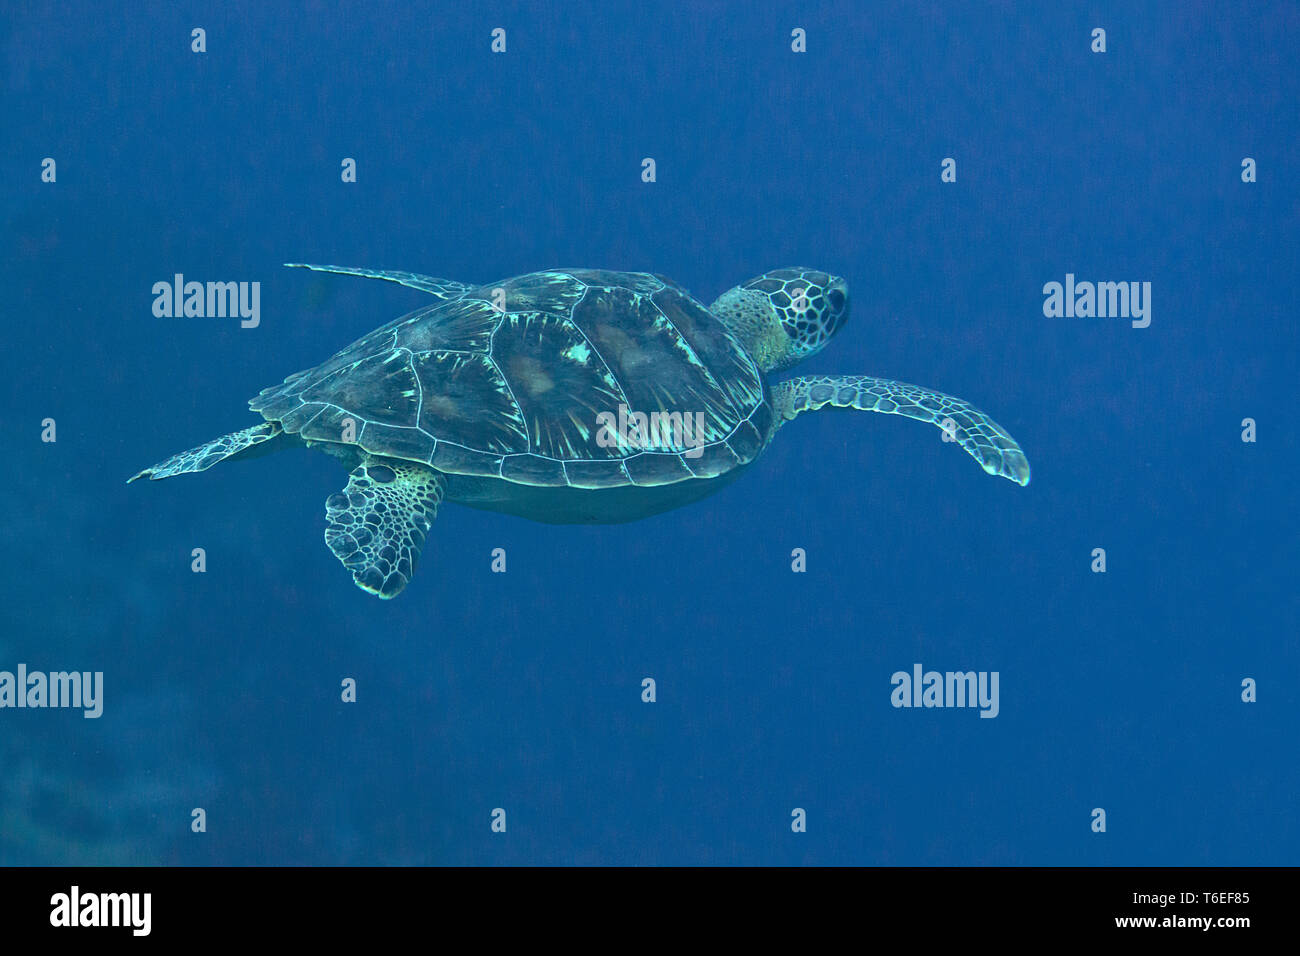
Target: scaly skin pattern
[
  {"x": 205, "y": 456},
  {"x": 984, "y": 439},
  {"x": 377, "y": 524},
  {"x": 438, "y": 288}
]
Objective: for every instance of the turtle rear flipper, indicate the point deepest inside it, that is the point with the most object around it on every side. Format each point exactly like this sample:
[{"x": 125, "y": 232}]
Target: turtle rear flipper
[
  {"x": 378, "y": 523},
  {"x": 240, "y": 444},
  {"x": 438, "y": 288}
]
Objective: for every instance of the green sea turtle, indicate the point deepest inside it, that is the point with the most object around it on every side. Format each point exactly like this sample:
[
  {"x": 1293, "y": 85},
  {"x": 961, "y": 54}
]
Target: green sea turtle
[{"x": 569, "y": 396}]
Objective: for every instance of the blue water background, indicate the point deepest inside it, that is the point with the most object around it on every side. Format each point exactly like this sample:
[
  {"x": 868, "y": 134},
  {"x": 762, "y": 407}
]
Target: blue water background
[{"x": 522, "y": 690}]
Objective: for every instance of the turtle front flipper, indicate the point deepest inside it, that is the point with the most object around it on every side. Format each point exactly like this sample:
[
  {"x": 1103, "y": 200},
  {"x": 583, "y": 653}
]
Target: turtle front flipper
[
  {"x": 378, "y": 523},
  {"x": 438, "y": 288},
  {"x": 984, "y": 439},
  {"x": 219, "y": 449}
]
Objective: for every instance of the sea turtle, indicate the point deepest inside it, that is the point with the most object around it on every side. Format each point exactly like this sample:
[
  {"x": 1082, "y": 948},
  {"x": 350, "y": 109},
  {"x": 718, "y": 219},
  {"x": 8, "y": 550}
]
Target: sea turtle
[{"x": 568, "y": 396}]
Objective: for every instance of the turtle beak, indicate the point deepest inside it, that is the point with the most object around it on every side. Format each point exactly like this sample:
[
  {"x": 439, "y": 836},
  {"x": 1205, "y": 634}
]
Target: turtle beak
[{"x": 837, "y": 298}]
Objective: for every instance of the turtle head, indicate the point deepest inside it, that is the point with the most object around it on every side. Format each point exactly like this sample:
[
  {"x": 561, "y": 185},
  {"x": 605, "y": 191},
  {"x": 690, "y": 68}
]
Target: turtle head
[{"x": 785, "y": 315}]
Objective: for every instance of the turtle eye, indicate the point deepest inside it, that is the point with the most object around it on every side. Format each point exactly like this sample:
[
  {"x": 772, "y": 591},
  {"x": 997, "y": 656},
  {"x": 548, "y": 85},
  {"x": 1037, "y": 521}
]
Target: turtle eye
[{"x": 836, "y": 298}]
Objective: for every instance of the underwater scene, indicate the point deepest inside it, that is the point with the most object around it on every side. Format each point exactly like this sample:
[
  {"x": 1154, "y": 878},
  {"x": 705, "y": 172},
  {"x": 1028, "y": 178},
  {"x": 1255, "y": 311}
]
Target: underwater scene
[{"x": 587, "y": 433}]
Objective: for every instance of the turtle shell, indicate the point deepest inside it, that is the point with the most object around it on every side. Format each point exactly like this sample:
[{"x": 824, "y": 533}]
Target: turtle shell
[{"x": 532, "y": 392}]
